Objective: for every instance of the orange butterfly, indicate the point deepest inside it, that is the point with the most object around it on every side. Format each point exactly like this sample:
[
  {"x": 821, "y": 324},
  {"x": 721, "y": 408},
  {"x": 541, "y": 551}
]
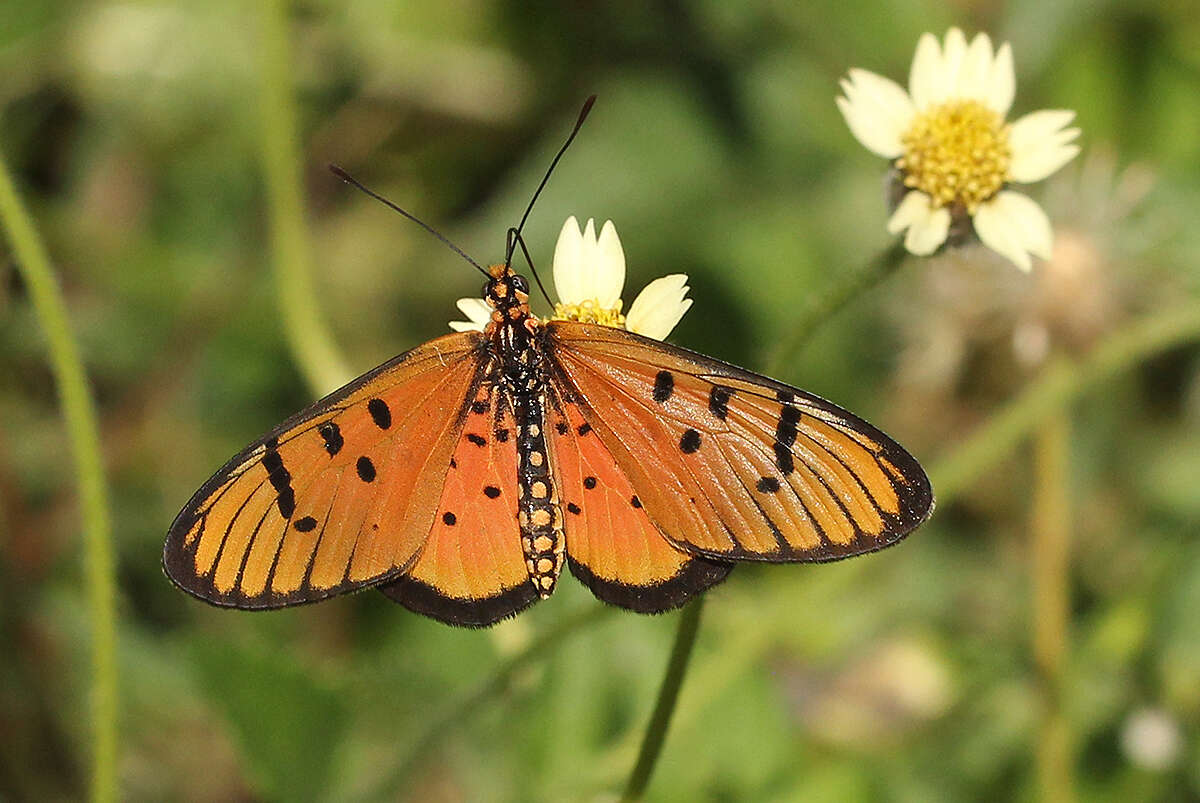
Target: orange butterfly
[{"x": 460, "y": 477}]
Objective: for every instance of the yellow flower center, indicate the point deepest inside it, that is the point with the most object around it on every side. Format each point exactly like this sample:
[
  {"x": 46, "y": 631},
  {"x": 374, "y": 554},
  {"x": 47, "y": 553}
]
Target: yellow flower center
[
  {"x": 956, "y": 151},
  {"x": 589, "y": 312}
]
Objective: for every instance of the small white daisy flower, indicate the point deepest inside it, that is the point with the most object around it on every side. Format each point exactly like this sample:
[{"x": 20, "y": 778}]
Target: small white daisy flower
[
  {"x": 955, "y": 154},
  {"x": 478, "y": 314},
  {"x": 589, "y": 276}
]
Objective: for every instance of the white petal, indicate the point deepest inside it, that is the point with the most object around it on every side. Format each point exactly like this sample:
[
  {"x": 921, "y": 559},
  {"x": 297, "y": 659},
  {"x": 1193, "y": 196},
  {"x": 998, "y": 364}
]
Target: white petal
[
  {"x": 659, "y": 307},
  {"x": 568, "y": 254},
  {"x": 1002, "y": 83},
  {"x": 878, "y": 111},
  {"x": 1041, "y": 144},
  {"x": 1014, "y": 226},
  {"x": 953, "y": 53},
  {"x": 610, "y": 267},
  {"x": 975, "y": 76},
  {"x": 927, "y": 227},
  {"x": 587, "y": 262},
  {"x": 478, "y": 313},
  {"x": 925, "y": 77}
]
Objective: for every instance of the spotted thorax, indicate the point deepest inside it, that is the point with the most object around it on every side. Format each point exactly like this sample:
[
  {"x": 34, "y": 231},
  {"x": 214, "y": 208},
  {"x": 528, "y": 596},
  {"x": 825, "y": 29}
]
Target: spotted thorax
[
  {"x": 954, "y": 155},
  {"x": 589, "y": 276}
]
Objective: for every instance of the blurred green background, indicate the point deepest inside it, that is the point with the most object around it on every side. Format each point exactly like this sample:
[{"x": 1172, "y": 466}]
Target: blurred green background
[{"x": 137, "y": 136}]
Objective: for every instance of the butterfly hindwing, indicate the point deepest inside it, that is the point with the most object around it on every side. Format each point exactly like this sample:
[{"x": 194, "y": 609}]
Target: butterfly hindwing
[
  {"x": 612, "y": 546},
  {"x": 733, "y": 465},
  {"x": 335, "y": 498},
  {"x": 471, "y": 570}
]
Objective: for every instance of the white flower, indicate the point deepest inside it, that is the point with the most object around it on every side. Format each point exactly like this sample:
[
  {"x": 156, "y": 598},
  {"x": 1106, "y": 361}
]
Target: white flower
[
  {"x": 589, "y": 275},
  {"x": 478, "y": 314},
  {"x": 954, "y": 151}
]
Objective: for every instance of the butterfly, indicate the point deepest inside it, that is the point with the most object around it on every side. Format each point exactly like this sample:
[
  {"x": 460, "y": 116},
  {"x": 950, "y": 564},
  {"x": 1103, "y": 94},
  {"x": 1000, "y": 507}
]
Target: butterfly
[{"x": 461, "y": 477}]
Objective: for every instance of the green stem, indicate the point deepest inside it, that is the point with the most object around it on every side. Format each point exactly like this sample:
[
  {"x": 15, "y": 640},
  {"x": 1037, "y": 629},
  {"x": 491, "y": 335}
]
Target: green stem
[
  {"x": 1061, "y": 382},
  {"x": 1050, "y": 566},
  {"x": 80, "y": 415},
  {"x": 488, "y": 689},
  {"x": 664, "y": 707},
  {"x": 826, "y": 304},
  {"x": 309, "y": 339}
]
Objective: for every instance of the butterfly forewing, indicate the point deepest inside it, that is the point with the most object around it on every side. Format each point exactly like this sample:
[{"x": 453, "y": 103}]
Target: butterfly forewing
[
  {"x": 340, "y": 496},
  {"x": 612, "y": 545},
  {"x": 733, "y": 465},
  {"x": 472, "y": 570}
]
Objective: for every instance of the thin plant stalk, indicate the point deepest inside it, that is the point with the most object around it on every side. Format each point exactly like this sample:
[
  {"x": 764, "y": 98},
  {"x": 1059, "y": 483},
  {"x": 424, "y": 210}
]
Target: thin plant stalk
[
  {"x": 1050, "y": 556},
  {"x": 664, "y": 706},
  {"x": 1061, "y": 383},
  {"x": 79, "y": 413},
  {"x": 312, "y": 346},
  {"x": 828, "y": 302}
]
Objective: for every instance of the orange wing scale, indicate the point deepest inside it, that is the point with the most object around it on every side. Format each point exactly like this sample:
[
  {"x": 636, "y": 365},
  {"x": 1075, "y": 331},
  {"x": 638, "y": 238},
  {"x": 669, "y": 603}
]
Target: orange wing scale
[
  {"x": 472, "y": 570},
  {"x": 612, "y": 546},
  {"x": 733, "y": 465},
  {"x": 337, "y": 497}
]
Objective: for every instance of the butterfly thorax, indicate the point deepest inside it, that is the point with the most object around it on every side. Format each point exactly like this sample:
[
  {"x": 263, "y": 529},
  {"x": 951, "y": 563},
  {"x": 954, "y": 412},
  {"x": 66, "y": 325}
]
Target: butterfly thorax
[{"x": 513, "y": 340}]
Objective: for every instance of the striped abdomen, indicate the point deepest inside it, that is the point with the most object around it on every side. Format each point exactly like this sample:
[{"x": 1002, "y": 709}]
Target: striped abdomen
[{"x": 539, "y": 515}]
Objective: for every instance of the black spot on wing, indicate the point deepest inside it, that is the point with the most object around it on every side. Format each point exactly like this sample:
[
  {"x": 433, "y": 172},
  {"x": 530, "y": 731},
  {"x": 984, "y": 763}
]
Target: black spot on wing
[
  {"x": 305, "y": 525},
  {"x": 478, "y": 440},
  {"x": 287, "y": 502},
  {"x": 501, "y": 435},
  {"x": 589, "y": 482},
  {"x": 690, "y": 442},
  {"x": 491, "y": 491},
  {"x": 767, "y": 485},
  {"x": 718, "y": 401},
  {"x": 785, "y": 433},
  {"x": 664, "y": 386},
  {"x": 479, "y": 407},
  {"x": 633, "y": 500},
  {"x": 584, "y": 429},
  {"x": 380, "y": 413},
  {"x": 561, "y": 428},
  {"x": 332, "y": 435},
  {"x": 280, "y": 478},
  {"x": 366, "y": 469},
  {"x": 574, "y": 508},
  {"x": 449, "y": 519}
]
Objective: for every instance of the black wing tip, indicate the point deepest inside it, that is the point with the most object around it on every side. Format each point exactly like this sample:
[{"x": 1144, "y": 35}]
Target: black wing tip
[
  {"x": 696, "y": 576},
  {"x": 477, "y": 613}
]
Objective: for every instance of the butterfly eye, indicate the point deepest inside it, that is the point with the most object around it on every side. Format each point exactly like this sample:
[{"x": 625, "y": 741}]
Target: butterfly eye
[{"x": 519, "y": 284}]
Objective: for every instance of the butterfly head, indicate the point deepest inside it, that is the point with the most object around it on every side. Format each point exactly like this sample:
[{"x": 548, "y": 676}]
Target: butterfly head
[{"x": 507, "y": 292}]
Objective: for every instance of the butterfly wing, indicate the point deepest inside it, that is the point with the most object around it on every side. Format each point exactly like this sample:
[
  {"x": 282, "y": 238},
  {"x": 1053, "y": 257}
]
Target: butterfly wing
[
  {"x": 338, "y": 497},
  {"x": 612, "y": 545},
  {"x": 472, "y": 571},
  {"x": 733, "y": 465}
]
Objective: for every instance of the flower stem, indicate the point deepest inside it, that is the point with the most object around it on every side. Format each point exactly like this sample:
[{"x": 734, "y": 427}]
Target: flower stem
[
  {"x": 1058, "y": 386},
  {"x": 1051, "y": 528},
  {"x": 824, "y": 306},
  {"x": 311, "y": 344},
  {"x": 80, "y": 415},
  {"x": 664, "y": 707}
]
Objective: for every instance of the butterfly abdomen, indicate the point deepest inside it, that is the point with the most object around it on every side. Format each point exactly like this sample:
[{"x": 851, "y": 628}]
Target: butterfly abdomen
[{"x": 538, "y": 512}]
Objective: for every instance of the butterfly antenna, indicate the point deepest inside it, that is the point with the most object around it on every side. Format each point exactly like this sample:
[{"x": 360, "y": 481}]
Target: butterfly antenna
[
  {"x": 514, "y": 237},
  {"x": 583, "y": 113},
  {"x": 353, "y": 182}
]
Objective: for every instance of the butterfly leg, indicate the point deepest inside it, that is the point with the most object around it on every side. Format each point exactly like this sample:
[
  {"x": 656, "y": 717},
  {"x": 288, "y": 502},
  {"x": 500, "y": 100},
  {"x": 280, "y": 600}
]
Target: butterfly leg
[{"x": 539, "y": 515}]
